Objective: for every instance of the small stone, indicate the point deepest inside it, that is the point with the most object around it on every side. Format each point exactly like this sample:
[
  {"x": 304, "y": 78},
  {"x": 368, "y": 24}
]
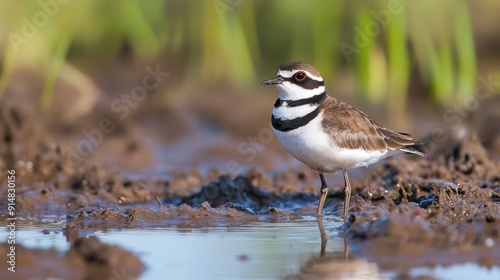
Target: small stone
[{"x": 489, "y": 242}]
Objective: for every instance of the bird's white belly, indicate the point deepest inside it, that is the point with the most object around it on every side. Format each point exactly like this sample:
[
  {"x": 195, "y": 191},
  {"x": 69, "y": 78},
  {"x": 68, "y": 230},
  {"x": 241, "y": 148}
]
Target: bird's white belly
[{"x": 315, "y": 148}]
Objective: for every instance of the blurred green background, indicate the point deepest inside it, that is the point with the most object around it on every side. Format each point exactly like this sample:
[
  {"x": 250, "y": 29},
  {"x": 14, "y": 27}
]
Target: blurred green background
[{"x": 390, "y": 48}]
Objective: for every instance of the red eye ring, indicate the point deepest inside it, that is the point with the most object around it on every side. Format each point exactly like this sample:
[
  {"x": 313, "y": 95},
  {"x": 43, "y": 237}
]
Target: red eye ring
[{"x": 300, "y": 76}]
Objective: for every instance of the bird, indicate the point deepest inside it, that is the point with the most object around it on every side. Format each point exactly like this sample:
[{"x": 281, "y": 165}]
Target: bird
[{"x": 326, "y": 134}]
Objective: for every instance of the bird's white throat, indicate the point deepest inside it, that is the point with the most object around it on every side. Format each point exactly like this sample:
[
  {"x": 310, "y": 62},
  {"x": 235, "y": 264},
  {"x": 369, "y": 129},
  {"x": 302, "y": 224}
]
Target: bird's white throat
[{"x": 289, "y": 91}]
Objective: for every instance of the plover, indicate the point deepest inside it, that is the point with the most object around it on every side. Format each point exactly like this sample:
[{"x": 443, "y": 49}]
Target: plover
[{"x": 326, "y": 134}]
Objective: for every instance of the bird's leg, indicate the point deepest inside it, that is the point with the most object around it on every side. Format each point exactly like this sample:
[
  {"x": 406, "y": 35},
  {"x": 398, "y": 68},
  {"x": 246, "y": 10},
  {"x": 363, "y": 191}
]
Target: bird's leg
[
  {"x": 323, "y": 193},
  {"x": 347, "y": 193}
]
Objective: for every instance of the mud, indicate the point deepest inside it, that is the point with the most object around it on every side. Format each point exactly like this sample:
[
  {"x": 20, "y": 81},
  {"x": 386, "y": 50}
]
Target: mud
[
  {"x": 408, "y": 205},
  {"x": 251, "y": 199},
  {"x": 183, "y": 216},
  {"x": 405, "y": 211},
  {"x": 87, "y": 258}
]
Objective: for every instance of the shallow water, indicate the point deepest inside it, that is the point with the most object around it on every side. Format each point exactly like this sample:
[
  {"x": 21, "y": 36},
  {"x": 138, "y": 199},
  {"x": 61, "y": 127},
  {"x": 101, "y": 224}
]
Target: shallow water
[{"x": 259, "y": 250}]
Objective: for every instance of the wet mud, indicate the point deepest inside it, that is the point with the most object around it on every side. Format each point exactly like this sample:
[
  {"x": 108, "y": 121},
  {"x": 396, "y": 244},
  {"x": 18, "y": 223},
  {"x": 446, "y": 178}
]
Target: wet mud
[
  {"x": 240, "y": 193},
  {"x": 409, "y": 205},
  {"x": 87, "y": 258}
]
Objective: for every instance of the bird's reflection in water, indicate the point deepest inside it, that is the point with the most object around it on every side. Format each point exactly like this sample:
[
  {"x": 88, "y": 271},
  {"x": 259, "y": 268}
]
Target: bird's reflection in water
[
  {"x": 336, "y": 265},
  {"x": 324, "y": 238}
]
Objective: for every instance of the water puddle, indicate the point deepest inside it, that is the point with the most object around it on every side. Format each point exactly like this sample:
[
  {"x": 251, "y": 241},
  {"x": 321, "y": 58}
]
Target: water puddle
[
  {"x": 260, "y": 250},
  {"x": 256, "y": 250},
  {"x": 457, "y": 271}
]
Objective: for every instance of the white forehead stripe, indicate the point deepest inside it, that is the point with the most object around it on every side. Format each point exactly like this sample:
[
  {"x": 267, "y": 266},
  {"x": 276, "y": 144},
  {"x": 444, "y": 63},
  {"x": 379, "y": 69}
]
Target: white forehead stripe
[{"x": 289, "y": 74}]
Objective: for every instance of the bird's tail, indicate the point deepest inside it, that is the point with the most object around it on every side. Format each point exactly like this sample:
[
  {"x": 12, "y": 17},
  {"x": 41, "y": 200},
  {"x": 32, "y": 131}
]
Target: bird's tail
[{"x": 414, "y": 149}]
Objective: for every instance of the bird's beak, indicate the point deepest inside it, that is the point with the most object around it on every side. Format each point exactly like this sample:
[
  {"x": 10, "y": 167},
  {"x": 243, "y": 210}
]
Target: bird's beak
[{"x": 273, "y": 81}]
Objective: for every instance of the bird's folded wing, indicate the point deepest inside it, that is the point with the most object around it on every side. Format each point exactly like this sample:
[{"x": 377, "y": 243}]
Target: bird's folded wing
[{"x": 353, "y": 129}]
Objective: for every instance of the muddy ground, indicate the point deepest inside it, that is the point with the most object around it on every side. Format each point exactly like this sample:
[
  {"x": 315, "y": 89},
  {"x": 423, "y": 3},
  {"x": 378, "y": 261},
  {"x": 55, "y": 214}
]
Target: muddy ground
[{"x": 404, "y": 211}]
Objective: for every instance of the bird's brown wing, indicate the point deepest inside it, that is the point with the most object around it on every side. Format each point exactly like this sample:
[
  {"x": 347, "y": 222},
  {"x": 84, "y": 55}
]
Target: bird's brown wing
[{"x": 353, "y": 129}]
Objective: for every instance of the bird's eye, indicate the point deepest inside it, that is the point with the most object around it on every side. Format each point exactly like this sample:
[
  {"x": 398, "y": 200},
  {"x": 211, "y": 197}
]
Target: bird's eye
[{"x": 300, "y": 76}]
